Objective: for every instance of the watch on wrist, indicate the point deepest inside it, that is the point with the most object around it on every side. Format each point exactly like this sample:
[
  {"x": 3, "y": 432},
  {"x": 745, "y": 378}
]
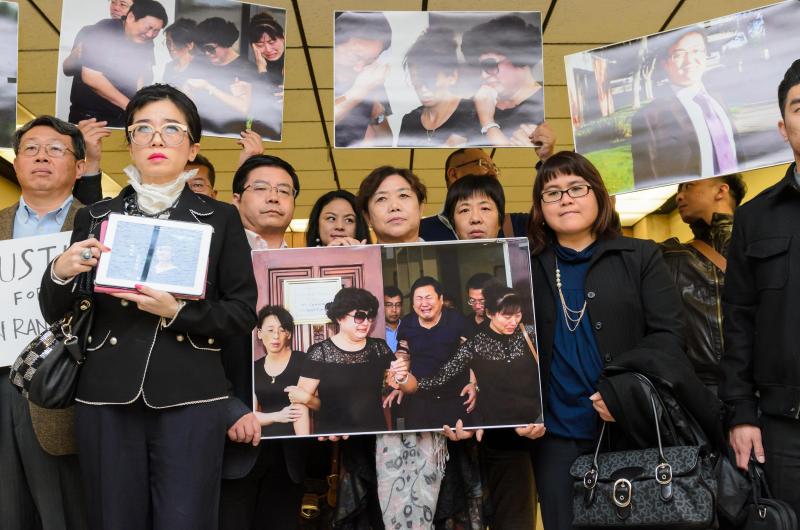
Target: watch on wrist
[
  {"x": 491, "y": 125},
  {"x": 377, "y": 120}
]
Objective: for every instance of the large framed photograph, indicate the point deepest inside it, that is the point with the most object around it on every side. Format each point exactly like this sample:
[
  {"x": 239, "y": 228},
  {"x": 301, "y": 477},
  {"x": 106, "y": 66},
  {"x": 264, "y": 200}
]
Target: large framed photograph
[
  {"x": 9, "y": 26},
  {"x": 682, "y": 104},
  {"x": 166, "y": 255},
  {"x": 442, "y": 79},
  {"x": 227, "y": 56},
  {"x": 456, "y": 314}
]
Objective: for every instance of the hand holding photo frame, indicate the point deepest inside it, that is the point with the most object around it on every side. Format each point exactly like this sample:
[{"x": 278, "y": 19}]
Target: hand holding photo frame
[{"x": 166, "y": 255}]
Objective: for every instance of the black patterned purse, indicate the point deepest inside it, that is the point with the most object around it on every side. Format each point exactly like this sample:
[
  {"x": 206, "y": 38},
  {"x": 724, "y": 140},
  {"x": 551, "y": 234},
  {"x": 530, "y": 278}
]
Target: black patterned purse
[
  {"x": 660, "y": 487},
  {"x": 47, "y": 370}
]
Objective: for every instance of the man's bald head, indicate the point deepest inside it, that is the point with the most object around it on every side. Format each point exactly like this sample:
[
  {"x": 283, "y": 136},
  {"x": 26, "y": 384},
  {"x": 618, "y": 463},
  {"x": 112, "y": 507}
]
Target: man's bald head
[{"x": 468, "y": 161}]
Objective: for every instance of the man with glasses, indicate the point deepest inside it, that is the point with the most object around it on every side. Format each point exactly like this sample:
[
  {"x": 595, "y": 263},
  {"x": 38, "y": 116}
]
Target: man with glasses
[
  {"x": 476, "y": 300},
  {"x": 510, "y": 101},
  {"x": 203, "y": 181},
  {"x": 392, "y": 310},
  {"x": 116, "y": 59},
  {"x": 42, "y": 486},
  {"x": 684, "y": 131}
]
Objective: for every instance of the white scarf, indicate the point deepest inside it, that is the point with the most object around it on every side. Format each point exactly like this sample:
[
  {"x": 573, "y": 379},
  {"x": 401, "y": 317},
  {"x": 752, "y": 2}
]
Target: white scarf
[{"x": 155, "y": 198}]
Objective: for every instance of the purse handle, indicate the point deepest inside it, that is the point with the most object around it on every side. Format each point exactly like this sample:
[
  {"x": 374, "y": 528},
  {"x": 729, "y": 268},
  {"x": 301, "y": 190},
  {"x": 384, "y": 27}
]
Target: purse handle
[{"x": 530, "y": 343}]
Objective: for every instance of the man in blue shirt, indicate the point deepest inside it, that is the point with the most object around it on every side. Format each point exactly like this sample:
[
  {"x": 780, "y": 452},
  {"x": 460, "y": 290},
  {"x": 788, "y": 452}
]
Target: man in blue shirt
[
  {"x": 37, "y": 446},
  {"x": 392, "y": 310}
]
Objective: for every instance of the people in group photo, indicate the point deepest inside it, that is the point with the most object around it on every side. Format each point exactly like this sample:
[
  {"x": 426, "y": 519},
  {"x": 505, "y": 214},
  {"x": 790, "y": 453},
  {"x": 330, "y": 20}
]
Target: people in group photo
[{"x": 453, "y": 371}]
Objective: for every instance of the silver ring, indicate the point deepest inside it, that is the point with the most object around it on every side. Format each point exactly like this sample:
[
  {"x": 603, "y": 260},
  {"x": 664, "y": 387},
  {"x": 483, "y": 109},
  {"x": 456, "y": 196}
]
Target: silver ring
[{"x": 86, "y": 255}]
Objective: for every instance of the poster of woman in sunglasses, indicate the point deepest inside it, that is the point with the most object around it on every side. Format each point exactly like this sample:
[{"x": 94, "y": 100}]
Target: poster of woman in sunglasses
[
  {"x": 437, "y": 79},
  {"x": 322, "y": 364},
  {"x": 227, "y": 56}
]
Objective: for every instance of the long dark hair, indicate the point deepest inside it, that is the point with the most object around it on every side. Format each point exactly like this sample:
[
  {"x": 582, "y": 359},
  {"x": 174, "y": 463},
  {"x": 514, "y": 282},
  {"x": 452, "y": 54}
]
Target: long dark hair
[
  {"x": 605, "y": 226},
  {"x": 312, "y": 234}
]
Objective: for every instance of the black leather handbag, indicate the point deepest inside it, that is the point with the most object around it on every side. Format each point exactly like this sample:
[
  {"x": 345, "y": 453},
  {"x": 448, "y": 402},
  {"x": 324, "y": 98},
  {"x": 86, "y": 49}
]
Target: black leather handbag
[
  {"x": 765, "y": 512},
  {"x": 47, "y": 370},
  {"x": 661, "y": 487}
]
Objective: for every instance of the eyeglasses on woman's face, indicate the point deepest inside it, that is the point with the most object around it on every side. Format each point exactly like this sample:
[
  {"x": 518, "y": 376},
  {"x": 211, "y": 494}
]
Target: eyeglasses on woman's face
[
  {"x": 360, "y": 316},
  {"x": 172, "y": 134},
  {"x": 209, "y": 49},
  {"x": 576, "y": 191}
]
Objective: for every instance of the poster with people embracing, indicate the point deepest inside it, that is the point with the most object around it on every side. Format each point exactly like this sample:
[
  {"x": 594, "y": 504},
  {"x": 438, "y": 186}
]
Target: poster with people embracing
[
  {"x": 693, "y": 102},
  {"x": 437, "y": 79},
  {"x": 227, "y": 56},
  {"x": 393, "y": 338}
]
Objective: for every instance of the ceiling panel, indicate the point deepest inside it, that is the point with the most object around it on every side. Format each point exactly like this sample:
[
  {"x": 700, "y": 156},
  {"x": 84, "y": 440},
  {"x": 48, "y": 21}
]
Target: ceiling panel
[{"x": 609, "y": 21}]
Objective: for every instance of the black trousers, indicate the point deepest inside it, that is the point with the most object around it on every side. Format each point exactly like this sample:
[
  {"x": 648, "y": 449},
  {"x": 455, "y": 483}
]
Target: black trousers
[
  {"x": 37, "y": 490},
  {"x": 148, "y": 469},
  {"x": 512, "y": 490},
  {"x": 266, "y": 498},
  {"x": 781, "y": 438},
  {"x": 552, "y": 458}
]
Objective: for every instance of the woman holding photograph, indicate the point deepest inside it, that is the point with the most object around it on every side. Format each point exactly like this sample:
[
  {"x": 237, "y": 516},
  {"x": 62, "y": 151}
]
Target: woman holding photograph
[
  {"x": 333, "y": 221},
  {"x": 347, "y": 370},
  {"x": 612, "y": 302},
  {"x": 223, "y": 88},
  {"x": 443, "y": 119},
  {"x": 151, "y": 416}
]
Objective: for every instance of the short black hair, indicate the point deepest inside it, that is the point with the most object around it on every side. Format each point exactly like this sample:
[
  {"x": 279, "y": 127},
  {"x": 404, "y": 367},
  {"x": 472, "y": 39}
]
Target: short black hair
[
  {"x": 349, "y": 299},
  {"x": 500, "y": 298},
  {"x": 160, "y": 92},
  {"x": 470, "y": 185},
  {"x": 367, "y": 25},
  {"x": 434, "y": 51},
  {"x": 60, "y": 126},
  {"x": 507, "y": 35},
  {"x": 257, "y": 161},
  {"x": 284, "y": 317},
  {"x": 391, "y": 291},
  {"x": 424, "y": 281},
  {"x": 312, "y": 233},
  {"x": 182, "y": 32},
  {"x": 790, "y": 79},
  {"x": 200, "y": 160},
  {"x": 479, "y": 280},
  {"x": 149, "y": 8},
  {"x": 736, "y": 186},
  {"x": 264, "y": 23},
  {"x": 217, "y": 30}
]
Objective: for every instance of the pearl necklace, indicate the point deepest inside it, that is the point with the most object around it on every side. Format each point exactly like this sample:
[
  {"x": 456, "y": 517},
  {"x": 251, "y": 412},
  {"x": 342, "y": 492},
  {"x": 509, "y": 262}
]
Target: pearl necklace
[{"x": 573, "y": 317}]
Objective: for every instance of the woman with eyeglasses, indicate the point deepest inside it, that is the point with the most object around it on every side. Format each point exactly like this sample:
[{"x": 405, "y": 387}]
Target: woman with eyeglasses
[
  {"x": 603, "y": 301},
  {"x": 223, "y": 88},
  {"x": 334, "y": 221},
  {"x": 347, "y": 370},
  {"x": 151, "y": 412},
  {"x": 443, "y": 118}
]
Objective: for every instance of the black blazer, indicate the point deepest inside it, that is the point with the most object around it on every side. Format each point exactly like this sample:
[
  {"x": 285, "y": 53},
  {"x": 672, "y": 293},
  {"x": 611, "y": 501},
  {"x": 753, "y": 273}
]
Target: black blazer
[
  {"x": 637, "y": 317},
  {"x": 131, "y": 353}
]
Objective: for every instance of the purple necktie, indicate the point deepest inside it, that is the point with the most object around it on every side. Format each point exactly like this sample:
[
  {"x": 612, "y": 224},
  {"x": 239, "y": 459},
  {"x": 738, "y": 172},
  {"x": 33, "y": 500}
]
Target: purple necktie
[{"x": 724, "y": 152}]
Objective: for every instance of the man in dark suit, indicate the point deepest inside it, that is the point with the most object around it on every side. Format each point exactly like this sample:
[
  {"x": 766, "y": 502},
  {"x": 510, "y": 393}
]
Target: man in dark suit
[
  {"x": 41, "y": 478},
  {"x": 683, "y": 132}
]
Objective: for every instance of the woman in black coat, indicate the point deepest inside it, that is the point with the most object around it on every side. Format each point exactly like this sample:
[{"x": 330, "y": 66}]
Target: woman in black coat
[
  {"x": 151, "y": 419},
  {"x": 604, "y": 303}
]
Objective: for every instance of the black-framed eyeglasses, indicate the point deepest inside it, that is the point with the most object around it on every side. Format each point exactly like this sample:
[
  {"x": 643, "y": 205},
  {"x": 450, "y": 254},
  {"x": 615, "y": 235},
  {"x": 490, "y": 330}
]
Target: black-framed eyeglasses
[
  {"x": 52, "y": 150},
  {"x": 490, "y": 66},
  {"x": 172, "y": 134},
  {"x": 360, "y": 316},
  {"x": 208, "y": 49},
  {"x": 284, "y": 191},
  {"x": 476, "y": 301},
  {"x": 481, "y": 162},
  {"x": 576, "y": 191}
]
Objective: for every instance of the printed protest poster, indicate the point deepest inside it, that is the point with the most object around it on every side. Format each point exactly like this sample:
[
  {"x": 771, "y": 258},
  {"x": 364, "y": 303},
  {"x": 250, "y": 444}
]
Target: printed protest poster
[
  {"x": 22, "y": 265},
  {"x": 694, "y": 102},
  {"x": 227, "y": 56},
  {"x": 437, "y": 79},
  {"x": 9, "y": 16},
  {"x": 395, "y": 338}
]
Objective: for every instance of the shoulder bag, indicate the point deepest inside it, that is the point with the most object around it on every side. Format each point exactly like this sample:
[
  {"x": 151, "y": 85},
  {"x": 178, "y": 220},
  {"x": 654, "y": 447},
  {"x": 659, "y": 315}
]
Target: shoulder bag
[{"x": 766, "y": 512}]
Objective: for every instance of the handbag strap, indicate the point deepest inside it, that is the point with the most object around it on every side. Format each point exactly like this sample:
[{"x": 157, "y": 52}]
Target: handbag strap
[
  {"x": 529, "y": 341},
  {"x": 710, "y": 253}
]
